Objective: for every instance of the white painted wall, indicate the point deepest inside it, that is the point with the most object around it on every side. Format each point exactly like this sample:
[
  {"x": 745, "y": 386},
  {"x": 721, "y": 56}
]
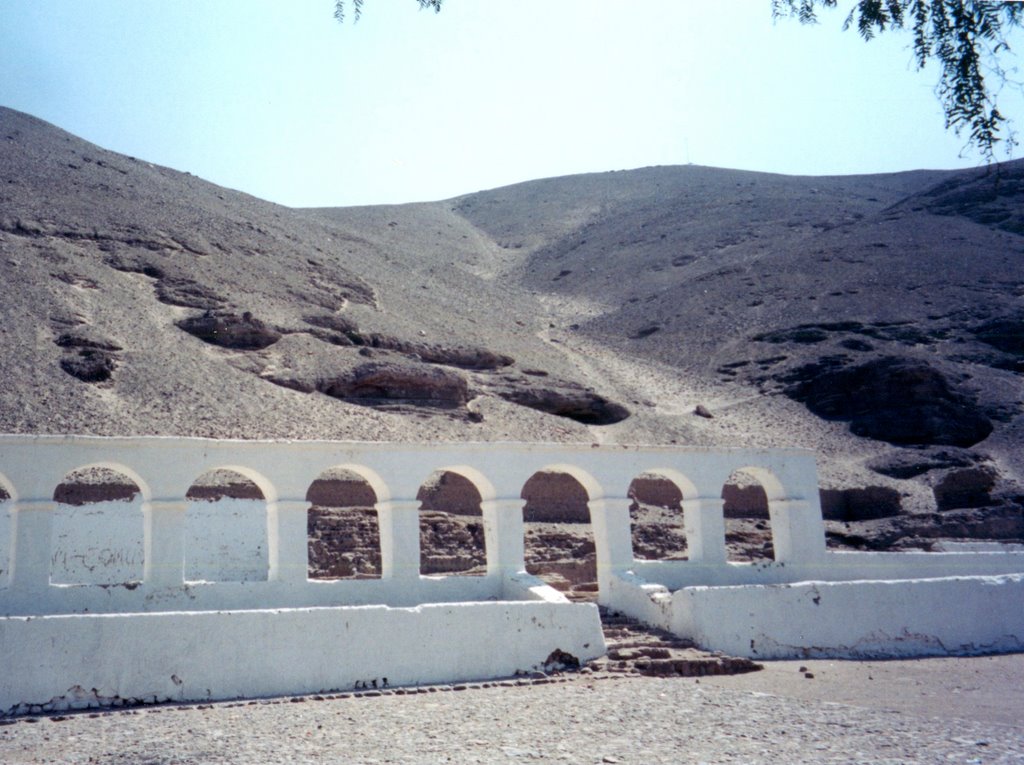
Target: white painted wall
[
  {"x": 97, "y": 543},
  {"x": 5, "y": 540},
  {"x": 221, "y": 655},
  {"x": 226, "y": 540},
  {"x": 877, "y": 619}
]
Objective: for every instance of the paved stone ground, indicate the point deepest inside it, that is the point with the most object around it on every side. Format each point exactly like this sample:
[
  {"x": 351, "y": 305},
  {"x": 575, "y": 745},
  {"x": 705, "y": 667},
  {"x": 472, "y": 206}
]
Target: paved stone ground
[{"x": 585, "y": 719}]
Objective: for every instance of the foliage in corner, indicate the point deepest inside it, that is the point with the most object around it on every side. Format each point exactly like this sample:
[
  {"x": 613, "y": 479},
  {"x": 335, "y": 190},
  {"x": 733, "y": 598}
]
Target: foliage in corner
[
  {"x": 357, "y": 8},
  {"x": 965, "y": 37}
]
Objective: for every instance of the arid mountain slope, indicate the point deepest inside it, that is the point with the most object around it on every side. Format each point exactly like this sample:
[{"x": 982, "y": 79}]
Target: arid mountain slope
[{"x": 876, "y": 319}]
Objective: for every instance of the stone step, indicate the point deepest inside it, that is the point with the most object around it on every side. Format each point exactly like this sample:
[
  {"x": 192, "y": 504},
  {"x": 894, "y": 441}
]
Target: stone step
[{"x": 639, "y": 649}]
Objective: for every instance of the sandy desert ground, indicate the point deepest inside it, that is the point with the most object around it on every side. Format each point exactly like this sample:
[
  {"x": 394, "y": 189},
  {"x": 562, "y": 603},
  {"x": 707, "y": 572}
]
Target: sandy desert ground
[{"x": 923, "y": 711}]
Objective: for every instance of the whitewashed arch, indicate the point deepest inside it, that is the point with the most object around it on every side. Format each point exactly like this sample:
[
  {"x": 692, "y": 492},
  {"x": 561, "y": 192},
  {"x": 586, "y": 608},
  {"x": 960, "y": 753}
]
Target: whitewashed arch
[
  {"x": 687, "y": 488},
  {"x": 264, "y": 484},
  {"x": 772, "y": 486},
  {"x": 145, "y": 492},
  {"x": 590, "y": 484},
  {"x": 377, "y": 484},
  {"x": 482, "y": 484}
]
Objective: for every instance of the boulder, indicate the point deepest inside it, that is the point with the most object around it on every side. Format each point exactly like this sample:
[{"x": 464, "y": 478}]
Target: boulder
[
  {"x": 229, "y": 330},
  {"x": 563, "y": 399}
]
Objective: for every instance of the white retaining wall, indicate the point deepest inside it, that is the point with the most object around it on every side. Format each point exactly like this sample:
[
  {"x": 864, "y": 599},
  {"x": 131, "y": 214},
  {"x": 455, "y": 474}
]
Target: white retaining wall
[
  {"x": 76, "y": 661},
  {"x": 861, "y": 619}
]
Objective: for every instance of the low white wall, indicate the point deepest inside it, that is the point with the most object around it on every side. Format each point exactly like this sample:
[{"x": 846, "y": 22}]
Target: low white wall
[
  {"x": 234, "y": 596},
  {"x": 860, "y": 619},
  {"x": 74, "y": 661},
  {"x": 831, "y": 566}
]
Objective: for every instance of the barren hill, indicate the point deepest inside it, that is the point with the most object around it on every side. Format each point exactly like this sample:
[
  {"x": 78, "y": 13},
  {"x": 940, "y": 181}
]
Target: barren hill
[{"x": 876, "y": 319}]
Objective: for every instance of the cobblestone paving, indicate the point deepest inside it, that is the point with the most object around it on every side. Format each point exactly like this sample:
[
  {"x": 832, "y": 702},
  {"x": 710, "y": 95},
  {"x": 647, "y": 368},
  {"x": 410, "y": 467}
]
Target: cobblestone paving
[{"x": 588, "y": 719}]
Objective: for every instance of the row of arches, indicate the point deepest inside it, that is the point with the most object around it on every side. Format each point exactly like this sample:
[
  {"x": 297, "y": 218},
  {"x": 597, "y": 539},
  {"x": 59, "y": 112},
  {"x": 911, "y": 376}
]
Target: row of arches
[{"x": 97, "y": 530}]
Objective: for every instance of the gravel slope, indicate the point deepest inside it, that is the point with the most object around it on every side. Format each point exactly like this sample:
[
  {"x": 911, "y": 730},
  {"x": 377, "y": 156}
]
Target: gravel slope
[{"x": 599, "y": 308}]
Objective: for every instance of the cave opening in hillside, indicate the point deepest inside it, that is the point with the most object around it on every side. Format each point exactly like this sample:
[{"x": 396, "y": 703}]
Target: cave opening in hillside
[
  {"x": 343, "y": 527},
  {"x": 225, "y": 534},
  {"x": 656, "y": 518},
  {"x": 748, "y": 529},
  {"x": 559, "y": 546},
  {"x": 98, "y": 530},
  {"x": 451, "y": 526}
]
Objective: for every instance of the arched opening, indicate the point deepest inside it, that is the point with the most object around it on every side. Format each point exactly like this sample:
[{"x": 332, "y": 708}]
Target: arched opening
[
  {"x": 6, "y": 497},
  {"x": 748, "y": 529},
  {"x": 451, "y": 526},
  {"x": 98, "y": 528},
  {"x": 343, "y": 527},
  {"x": 559, "y": 545},
  {"x": 225, "y": 534},
  {"x": 656, "y": 515}
]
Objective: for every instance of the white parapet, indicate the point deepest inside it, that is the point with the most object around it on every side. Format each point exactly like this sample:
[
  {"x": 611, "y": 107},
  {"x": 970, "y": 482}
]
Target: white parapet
[
  {"x": 857, "y": 619},
  {"x": 253, "y": 623},
  {"x": 99, "y": 624},
  {"x": 76, "y": 661}
]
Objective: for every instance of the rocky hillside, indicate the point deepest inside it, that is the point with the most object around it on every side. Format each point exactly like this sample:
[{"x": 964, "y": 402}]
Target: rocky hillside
[{"x": 876, "y": 319}]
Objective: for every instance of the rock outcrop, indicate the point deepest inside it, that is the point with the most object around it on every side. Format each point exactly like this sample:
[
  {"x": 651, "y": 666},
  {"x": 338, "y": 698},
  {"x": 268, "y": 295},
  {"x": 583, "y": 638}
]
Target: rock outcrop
[
  {"x": 902, "y": 401},
  {"x": 229, "y": 330}
]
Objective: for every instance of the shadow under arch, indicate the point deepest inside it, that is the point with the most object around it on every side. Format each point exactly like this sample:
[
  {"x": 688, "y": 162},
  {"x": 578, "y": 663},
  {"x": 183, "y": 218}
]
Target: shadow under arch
[
  {"x": 145, "y": 492},
  {"x": 773, "y": 488},
  {"x": 480, "y": 482},
  {"x": 687, "y": 488},
  {"x": 264, "y": 484},
  {"x": 343, "y": 536},
  {"x": 380, "y": 489},
  {"x": 590, "y": 484}
]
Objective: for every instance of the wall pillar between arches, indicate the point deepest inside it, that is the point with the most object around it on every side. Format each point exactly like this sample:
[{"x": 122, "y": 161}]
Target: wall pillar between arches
[
  {"x": 613, "y": 538},
  {"x": 287, "y": 541},
  {"x": 29, "y": 555},
  {"x": 504, "y": 536},
  {"x": 399, "y": 539},
  {"x": 798, "y": 532},
  {"x": 704, "y": 522},
  {"x": 164, "y": 543}
]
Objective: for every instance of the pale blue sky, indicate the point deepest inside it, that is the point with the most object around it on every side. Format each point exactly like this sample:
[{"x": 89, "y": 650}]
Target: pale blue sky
[{"x": 277, "y": 99}]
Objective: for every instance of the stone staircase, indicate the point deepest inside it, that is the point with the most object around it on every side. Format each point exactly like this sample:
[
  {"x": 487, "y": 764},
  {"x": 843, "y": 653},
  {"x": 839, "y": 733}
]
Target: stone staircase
[{"x": 635, "y": 648}]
